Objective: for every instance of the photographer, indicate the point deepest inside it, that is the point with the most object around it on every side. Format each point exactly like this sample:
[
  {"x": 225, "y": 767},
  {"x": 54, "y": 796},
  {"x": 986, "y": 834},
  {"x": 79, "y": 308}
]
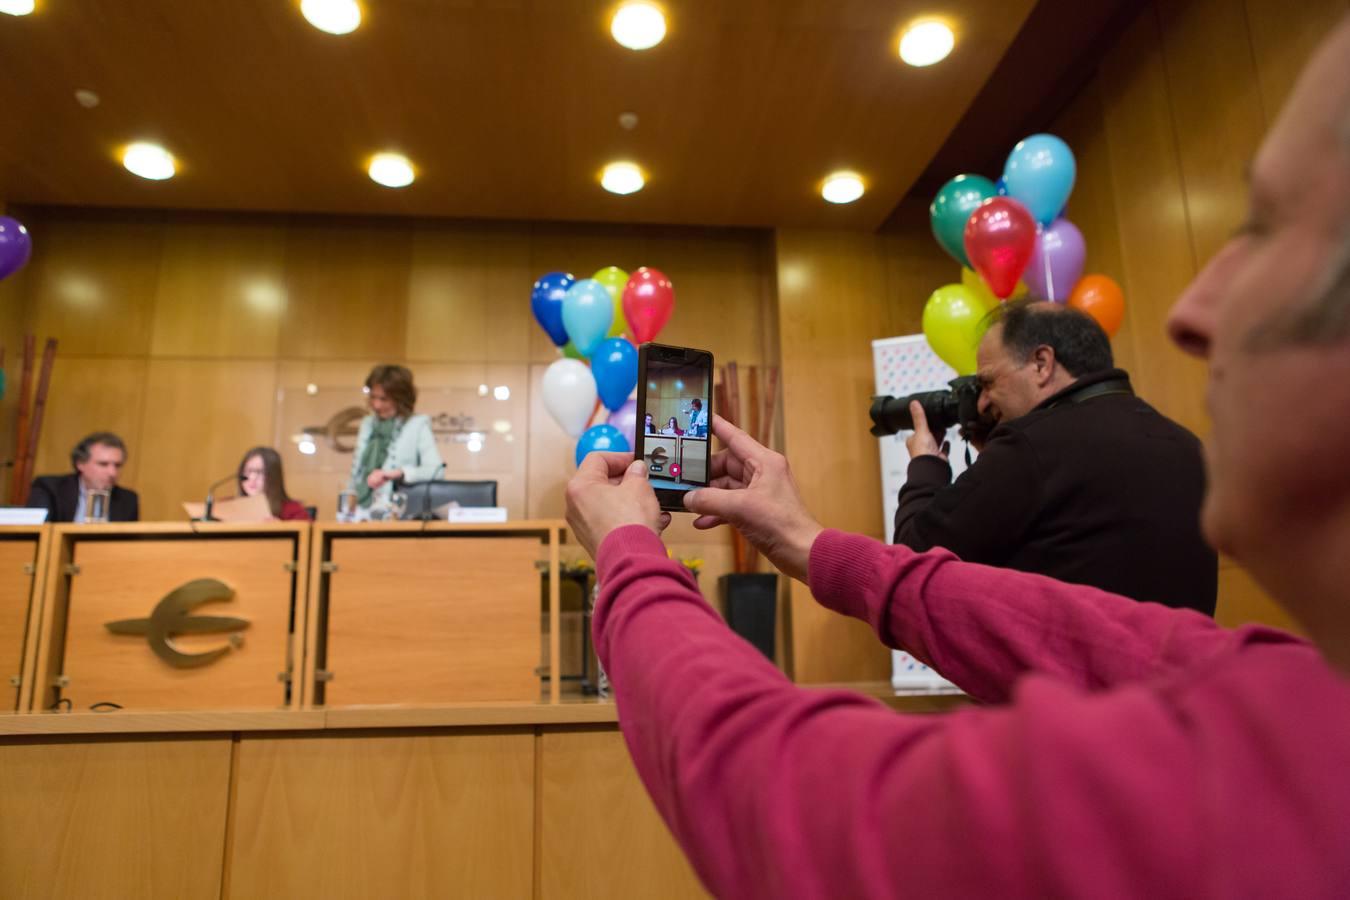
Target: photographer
[{"x": 1079, "y": 479}]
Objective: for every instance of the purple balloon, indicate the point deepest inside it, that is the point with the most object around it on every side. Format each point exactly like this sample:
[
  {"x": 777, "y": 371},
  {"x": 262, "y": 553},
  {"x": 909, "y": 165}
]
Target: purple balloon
[
  {"x": 1057, "y": 262},
  {"x": 625, "y": 419},
  {"x": 15, "y": 246}
]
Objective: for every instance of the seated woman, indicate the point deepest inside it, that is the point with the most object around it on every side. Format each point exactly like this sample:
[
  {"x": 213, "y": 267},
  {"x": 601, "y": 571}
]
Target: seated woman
[
  {"x": 260, "y": 475},
  {"x": 393, "y": 446},
  {"x": 672, "y": 427}
]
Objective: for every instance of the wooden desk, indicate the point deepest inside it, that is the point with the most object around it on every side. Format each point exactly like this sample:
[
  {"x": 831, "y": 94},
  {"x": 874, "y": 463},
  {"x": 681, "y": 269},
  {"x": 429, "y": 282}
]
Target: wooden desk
[
  {"x": 238, "y": 651},
  {"x": 23, "y": 550},
  {"x": 429, "y": 613}
]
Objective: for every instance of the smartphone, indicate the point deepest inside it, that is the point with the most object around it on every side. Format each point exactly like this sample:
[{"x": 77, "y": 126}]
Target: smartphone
[{"x": 674, "y": 420}]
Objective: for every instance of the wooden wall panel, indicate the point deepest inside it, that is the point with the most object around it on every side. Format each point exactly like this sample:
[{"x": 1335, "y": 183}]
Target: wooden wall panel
[
  {"x": 92, "y": 394},
  {"x": 1283, "y": 37},
  {"x": 469, "y": 294},
  {"x": 384, "y": 816},
  {"x": 347, "y": 289},
  {"x": 1156, "y": 253},
  {"x": 600, "y": 834},
  {"x": 1216, "y": 111},
  {"x": 93, "y": 282},
  {"x": 833, "y": 303},
  {"x": 222, "y": 290},
  {"x": 91, "y": 817},
  {"x": 199, "y": 419}
]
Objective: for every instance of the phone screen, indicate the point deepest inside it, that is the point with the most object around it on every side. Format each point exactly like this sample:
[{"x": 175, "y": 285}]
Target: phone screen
[{"x": 674, "y": 410}]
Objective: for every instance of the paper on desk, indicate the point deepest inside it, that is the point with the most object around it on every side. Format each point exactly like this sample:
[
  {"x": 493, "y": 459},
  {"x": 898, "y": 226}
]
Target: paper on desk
[{"x": 234, "y": 509}]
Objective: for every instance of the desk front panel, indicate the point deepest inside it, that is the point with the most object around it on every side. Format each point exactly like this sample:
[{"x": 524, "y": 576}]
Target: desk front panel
[
  {"x": 431, "y": 619},
  {"x": 18, "y": 562},
  {"x": 121, "y": 580}
]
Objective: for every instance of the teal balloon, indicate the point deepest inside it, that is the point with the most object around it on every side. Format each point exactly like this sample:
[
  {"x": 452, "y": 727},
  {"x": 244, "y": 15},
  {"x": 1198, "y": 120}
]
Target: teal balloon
[
  {"x": 2, "y": 384},
  {"x": 587, "y": 312},
  {"x": 952, "y": 207},
  {"x": 1040, "y": 173}
]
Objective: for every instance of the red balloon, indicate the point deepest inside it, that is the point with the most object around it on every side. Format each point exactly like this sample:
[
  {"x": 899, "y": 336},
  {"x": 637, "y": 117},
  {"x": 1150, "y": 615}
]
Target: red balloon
[
  {"x": 1000, "y": 237},
  {"x": 648, "y": 301}
]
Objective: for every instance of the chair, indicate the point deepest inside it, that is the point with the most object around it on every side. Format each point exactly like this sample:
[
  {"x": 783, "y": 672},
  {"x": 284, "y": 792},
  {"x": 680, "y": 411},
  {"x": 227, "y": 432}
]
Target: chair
[{"x": 425, "y": 497}]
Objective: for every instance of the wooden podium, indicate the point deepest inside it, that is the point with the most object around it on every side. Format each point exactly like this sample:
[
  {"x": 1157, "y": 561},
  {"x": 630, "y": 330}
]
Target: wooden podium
[
  {"x": 23, "y": 550},
  {"x": 172, "y": 616},
  {"x": 429, "y": 612}
]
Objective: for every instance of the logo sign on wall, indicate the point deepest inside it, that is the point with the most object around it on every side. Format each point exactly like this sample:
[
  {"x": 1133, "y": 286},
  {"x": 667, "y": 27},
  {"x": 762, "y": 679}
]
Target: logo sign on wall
[
  {"x": 907, "y": 365},
  {"x": 171, "y": 617}
]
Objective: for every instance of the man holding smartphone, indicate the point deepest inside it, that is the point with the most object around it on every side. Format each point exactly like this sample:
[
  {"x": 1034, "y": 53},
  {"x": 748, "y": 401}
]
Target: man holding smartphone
[{"x": 1128, "y": 749}]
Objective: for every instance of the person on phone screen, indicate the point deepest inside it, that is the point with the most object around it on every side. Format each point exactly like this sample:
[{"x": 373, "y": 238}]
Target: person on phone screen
[{"x": 672, "y": 428}]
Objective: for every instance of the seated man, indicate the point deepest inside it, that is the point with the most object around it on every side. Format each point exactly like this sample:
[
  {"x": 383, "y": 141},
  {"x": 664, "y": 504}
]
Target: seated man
[
  {"x": 1079, "y": 480},
  {"x": 98, "y": 460}
]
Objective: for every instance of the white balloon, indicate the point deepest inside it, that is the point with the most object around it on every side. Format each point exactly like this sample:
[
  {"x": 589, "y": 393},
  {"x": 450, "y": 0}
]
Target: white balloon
[{"x": 569, "y": 394}]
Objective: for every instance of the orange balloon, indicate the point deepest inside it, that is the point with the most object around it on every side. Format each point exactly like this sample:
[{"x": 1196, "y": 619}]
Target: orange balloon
[{"x": 1101, "y": 298}]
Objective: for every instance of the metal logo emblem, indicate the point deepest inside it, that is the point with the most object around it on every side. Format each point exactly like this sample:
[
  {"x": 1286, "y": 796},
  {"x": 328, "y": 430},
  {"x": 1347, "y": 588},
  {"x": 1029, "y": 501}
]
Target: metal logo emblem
[{"x": 170, "y": 617}]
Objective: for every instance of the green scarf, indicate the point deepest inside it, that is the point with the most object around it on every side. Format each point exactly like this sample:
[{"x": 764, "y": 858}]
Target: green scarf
[{"x": 382, "y": 434}]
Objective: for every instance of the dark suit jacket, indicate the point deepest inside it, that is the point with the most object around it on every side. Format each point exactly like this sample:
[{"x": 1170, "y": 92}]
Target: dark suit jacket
[
  {"x": 1104, "y": 492},
  {"x": 60, "y": 496}
]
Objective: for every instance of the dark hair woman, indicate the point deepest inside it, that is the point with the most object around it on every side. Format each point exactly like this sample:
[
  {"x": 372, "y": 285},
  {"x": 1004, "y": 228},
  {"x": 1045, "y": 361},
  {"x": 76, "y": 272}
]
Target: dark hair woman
[
  {"x": 260, "y": 475},
  {"x": 393, "y": 445}
]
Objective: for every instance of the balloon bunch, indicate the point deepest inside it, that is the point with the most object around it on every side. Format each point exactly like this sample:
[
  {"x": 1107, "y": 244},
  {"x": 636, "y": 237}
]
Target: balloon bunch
[
  {"x": 1011, "y": 239},
  {"x": 593, "y": 319}
]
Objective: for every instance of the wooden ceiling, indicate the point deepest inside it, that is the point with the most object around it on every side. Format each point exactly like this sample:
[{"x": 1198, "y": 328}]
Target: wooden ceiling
[{"x": 508, "y": 108}]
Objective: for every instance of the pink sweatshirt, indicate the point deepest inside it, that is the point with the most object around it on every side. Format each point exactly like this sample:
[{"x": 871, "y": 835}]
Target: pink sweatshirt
[{"x": 1130, "y": 750}]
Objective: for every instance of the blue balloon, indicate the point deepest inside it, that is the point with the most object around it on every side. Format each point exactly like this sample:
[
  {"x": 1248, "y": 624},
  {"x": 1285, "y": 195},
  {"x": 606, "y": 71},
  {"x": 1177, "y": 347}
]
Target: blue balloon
[
  {"x": 614, "y": 365},
  {"x": 601, "y": 437},
  {"x": 1002, "y": 187},
  {"x": 547, "y": 303},
  {"x": 588, "y": 310},
  {"x": 1040, "y": 172}
]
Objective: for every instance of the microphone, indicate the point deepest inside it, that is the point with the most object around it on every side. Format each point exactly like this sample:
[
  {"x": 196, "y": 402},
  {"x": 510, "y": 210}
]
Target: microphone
[{"x": 211, "y": 498}]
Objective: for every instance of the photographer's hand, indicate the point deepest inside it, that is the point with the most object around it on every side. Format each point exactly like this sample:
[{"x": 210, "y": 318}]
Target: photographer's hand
[
  {"x": 922, "y": 442},
  {"x": 609, "y": 491},
  {"x": 752, "y": 488}
]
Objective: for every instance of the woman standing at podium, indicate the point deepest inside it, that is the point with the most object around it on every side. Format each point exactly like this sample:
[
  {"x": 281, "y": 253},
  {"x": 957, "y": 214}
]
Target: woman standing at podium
[
  {"x": 393, "y": 446},
  {"x": 260, "y": 474}
]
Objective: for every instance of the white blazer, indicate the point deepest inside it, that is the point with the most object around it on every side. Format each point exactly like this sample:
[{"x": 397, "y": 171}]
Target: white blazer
[{"x": 413, "y": 450}]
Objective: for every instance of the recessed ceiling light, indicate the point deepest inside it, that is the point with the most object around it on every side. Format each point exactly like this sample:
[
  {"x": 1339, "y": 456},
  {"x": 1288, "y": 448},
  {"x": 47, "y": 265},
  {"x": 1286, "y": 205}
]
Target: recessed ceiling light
[
  {"x": 638, "y": 26},
  {"x": 842, "y": 187},
  {"x": 622, "y": 178},
  {"x": 391, "y": 170},
  {"x": 149, "y": 161},
  {"x": 926, "y": 43},
  {"x": 501, "y": 392},
  {"x": 17, "y": 7},
  {"x": 85, "y": 97},
  {"x": 332, "y": 16},
  {"x": 307, "y": 446}
]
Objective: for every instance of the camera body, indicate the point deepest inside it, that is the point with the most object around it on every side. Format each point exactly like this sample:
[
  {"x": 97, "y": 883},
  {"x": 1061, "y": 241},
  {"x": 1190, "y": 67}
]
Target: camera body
[{"x": 957, "y": 406}]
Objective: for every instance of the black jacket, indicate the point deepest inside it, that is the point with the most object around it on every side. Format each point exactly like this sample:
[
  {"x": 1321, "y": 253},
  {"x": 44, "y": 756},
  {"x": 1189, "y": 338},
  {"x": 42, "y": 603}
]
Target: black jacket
[
  {"x": 1102, "y": 490},
  {"x": 60, "y": 496}
]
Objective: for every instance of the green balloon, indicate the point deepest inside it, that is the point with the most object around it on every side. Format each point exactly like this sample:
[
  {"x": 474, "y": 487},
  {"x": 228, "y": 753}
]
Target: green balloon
[
  {"x": 952, "y": 207},
  {"x": 571, "y": 352},
  {"x": 2, "y": 384}
]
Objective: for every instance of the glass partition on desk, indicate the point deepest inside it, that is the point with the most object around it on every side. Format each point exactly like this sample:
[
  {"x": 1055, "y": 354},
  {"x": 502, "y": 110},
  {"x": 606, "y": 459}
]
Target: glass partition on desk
[{"x": 481, "y": 430}]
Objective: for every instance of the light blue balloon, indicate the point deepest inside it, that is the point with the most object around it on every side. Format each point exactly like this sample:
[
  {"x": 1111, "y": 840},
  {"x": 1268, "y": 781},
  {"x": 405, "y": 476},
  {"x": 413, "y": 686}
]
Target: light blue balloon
[
  {"x": 601, "y": 437},
  {"x": 615, "y": 367},
  {"x": 1039, "y": 174},
  {"x": 587, "y": 313}
]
